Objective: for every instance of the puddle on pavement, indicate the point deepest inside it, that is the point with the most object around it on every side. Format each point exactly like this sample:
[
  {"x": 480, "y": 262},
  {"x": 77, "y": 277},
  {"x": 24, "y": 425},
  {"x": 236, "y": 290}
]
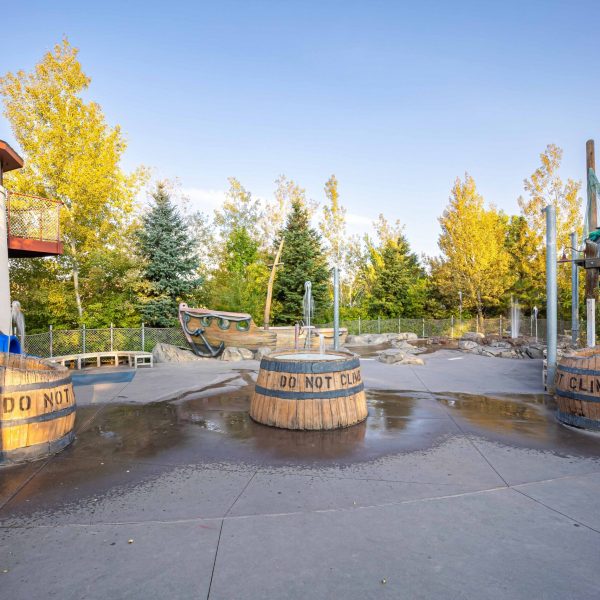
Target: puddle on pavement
[
  {"x": 124, "y": 445},
  {"x": 214, "y": 427}
]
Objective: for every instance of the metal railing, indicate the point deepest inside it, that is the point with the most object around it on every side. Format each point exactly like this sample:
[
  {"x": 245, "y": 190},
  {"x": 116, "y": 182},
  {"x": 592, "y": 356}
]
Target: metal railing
[
  {"x": 75, "y": 341},
  {"x": 33, "y": 217},
  {"x": 58, "y": 342},
  {"x": 452, "y": 328}
]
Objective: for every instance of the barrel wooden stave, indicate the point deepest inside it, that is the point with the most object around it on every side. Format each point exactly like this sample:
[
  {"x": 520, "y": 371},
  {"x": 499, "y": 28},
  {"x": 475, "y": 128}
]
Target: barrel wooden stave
[
  {"x": 37, "y": 408},
  {"x": 577, "y": 387},
  {"x": 309, "y": 395}
]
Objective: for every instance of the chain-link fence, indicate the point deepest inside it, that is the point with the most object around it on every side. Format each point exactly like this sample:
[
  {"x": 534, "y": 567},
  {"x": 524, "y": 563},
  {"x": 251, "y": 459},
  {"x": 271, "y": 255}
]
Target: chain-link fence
[
  {"x": 75, "y": 341},
  {"x": 453, "y": 328},
  {"x": 79, "y": 341}
]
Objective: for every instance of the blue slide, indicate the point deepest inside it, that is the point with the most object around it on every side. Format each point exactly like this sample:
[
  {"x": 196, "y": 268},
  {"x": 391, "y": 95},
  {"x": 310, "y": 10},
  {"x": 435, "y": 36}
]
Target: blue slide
[{"x": 10, "y": 343}]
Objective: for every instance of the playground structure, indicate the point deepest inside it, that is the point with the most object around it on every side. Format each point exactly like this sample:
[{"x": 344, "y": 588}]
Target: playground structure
[
  {"x": 36, "y": 398},
  {"x": 575, "y": 378}
]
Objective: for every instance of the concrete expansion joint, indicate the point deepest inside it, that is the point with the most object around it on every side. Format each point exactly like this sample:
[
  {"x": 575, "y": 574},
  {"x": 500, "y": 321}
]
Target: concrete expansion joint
[{"x": 554, "y": 510}]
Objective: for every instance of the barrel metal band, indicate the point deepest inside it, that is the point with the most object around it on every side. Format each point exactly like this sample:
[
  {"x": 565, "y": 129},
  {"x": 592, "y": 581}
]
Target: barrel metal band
[
  {"x": 578, "y": 421},
  {"x": 576, "y": 396},
  {"x": 49, "y": 416},
  {"x": 576, "y": 371},
  {"x": 324, "y": 366},
  {"x": 27, "y": 387},
  {"x": 18, "y": 455},
  {"x": 323, "y": 395}
]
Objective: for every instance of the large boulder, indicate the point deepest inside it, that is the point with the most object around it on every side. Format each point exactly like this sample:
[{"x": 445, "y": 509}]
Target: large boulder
[
  {"x": 166, "y": 353},
  {"x": 500, "y": 344},
  {"x": 412, "y": 360},
  {"x": 262, "y": 352},
  {"x": 473, "y": 336},
  {"x": 467, "y": 345},
  {"x": 233, "y": 354},
  {"x": 535, "y": 351},
  {"x": 407, "y": 347},
  {"x": 391, "y": 356},
  {"x": 407, "y": 335},
  {"x": 394, "y": 356},
  {"x": 369, "y": 339}
]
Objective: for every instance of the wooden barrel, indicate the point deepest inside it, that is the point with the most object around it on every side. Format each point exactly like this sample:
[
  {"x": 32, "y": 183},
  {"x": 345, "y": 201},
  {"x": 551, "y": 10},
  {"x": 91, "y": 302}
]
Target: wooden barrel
[
  {"x": 37, "y": 408},
  {"x": 577, "y": 387},
  {"x": 309, "y": 391}
]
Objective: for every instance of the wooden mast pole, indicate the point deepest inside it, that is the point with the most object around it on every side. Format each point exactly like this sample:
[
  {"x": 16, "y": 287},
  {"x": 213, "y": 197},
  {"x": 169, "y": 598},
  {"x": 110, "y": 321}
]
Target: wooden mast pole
[
  {"x": 276, "y": 263},
  {"x": 591, "y": 248}
]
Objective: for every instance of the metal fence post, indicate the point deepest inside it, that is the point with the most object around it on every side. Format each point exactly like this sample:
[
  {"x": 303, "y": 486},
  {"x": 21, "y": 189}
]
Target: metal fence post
[
  {"x": 143, "y": 338},
  {"x": 500, "y": 325},
  {"x": 83, "y": 339},
  {"x": 451, "y": 326},
  {"x": 51, "y": 341},
  {"x": 378, "y": 324},
  {"x": 358, "y": 325},
  {"x": 112, "y": 337},
  {"x": 423, "y": 328},
  {"x": 591, "y": 322}
]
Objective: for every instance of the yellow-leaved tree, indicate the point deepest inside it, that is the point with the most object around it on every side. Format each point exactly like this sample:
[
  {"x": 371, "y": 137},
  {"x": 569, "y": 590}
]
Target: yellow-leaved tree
[
  {"x": 71, "y": 154},
  {"x": 474, "y": 258},
  {"x": 333, "y": 225},
  {"x": 545, "y": 187}
]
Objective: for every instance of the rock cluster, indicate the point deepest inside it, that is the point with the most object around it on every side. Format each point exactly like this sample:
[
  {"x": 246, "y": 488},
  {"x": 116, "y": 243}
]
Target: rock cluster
[
  {"x": 395, "y": 356},
  {"x": 232, "y": 354},
  {"x": 493, "y": 345},
  {"x": 166, "y": 353},
  {"x": 376, "y": 339}
]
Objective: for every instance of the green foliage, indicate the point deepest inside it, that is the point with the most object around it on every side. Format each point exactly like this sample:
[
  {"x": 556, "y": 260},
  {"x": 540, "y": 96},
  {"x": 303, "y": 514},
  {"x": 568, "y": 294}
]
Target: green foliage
[
  {"x": 170, "y": 264},
  {"x": 303, "y": 260},
  {"x": 73, "y": 155},
  {"x": 399, "y": 284},
  {"x": 239, "y": 283},
  {"x": 474, "y": 258}
]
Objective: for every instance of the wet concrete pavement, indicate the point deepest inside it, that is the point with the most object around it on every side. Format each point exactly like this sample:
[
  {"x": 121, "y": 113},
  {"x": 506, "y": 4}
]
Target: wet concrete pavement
[{"x": 460, "y": 484}]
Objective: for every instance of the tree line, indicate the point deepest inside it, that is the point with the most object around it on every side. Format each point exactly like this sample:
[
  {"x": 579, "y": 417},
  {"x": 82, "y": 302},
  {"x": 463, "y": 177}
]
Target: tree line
[{"x": 127, "y": 262}]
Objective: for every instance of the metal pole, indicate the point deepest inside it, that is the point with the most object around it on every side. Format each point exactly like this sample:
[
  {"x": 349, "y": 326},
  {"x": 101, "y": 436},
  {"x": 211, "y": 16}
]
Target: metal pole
[
  {"x": 336, "y": 308},
  {"x": 358, "y": 325},
  {"x": 551, "y": 296},
  {"x": 591, "y": 322},
  {"x": 378, "y": 324},
  {"x": 451, "y": 326},
  {"x": 423, "y": 328},
  {"x": 83, "y": 339},
  {"x": 112, "y": 337},
  {"x": 51, "y": 342},
  {"x": 500, "y": 325},
  {"x": 574, "y": 291},
  {"x": 143, "y": 338}
]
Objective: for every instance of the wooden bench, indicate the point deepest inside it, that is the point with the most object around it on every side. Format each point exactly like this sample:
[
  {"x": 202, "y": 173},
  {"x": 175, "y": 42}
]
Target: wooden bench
[{"x": 134, "y": 359}]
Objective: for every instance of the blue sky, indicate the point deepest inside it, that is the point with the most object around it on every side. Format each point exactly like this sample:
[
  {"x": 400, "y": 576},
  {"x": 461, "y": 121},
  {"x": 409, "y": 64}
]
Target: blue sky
[{"x": 396, "y": 98}]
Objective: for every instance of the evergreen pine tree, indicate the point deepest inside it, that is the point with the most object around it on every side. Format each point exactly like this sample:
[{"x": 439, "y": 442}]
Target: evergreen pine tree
[
  {"x": 399, "y": 285},
  {"x": 169, "y": 272},
  {"x": 303, "y": 260}
]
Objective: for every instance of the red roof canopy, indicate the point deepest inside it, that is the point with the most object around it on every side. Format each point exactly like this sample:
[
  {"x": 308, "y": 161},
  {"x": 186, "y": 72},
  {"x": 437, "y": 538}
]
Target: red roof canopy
[{"x": 9, "y": 159}]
